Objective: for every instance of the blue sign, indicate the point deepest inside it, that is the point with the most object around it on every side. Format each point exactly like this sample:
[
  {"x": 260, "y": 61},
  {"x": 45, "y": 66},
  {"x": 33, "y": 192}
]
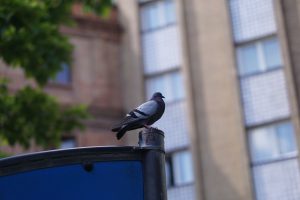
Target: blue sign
[
  {"x": 86, "y": 173},
  {"x": 112, "y": 180}
]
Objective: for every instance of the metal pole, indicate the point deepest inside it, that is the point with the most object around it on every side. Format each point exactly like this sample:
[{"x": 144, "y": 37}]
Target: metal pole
[{"x": 152, "y": 142}]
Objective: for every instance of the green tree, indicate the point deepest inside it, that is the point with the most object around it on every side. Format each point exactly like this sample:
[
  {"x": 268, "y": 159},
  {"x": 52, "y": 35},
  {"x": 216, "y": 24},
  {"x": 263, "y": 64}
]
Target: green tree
[{"x": 30, "y": 39}]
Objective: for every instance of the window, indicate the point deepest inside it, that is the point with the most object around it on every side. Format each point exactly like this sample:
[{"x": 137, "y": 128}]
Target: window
[
  {"x": 265, "y": 98},
  {"x": 277, "y": 180},
  {"x": 175, "y": 125},
  {"x": 64, "y": 76},
  {"x": 182, "y": 167},
  {"x": 67, "y": 143},
  {"x": 179, "y": 169},
  {"x": 275, "y": 164},
  {"x": 272, "y": 142},
  {"x": 272, "y": 53},
  {"x": 252, "y": 19},
  {"x": 161, "y": 50},
  {"x": 157, "y": 14},
  {"x": 170, "y": 16},
  {"x": 169, "y": 84},
  {"x": 248, "y": 59},
  {"x": 160, "y": 37},
  {"x": 259, "y": 56},
  {"x": 149, "y": 14}
]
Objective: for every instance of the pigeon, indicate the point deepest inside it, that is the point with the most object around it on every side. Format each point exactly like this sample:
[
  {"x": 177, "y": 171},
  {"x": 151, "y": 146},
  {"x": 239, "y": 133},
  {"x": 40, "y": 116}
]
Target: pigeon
[{"x": 142, "y": 116}]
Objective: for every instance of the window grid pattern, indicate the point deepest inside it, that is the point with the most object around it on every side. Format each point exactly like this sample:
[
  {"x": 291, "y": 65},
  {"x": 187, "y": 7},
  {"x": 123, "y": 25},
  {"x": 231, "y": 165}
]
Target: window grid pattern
[
  {"x": 252, "y": 19},
  {"x": 161, "y": 50},
  {"x": 174, "y": 124},
  {"x": 186, "y": 192},
  {"x": 277, "y": 181},
  {"x": 265, "y": 97},
  {"x": 157, "y": 15}
]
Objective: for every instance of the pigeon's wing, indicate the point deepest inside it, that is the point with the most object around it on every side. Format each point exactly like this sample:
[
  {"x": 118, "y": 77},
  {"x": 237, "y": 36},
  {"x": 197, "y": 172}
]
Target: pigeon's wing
[
  {"x": 141, "y": 113},
  {"x": 126, "y": 120},
  {"x": 146, "y": 110}
]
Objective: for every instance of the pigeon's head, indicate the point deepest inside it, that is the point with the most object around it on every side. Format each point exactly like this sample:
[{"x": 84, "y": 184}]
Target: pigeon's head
[{"x": 157, "y": 95}]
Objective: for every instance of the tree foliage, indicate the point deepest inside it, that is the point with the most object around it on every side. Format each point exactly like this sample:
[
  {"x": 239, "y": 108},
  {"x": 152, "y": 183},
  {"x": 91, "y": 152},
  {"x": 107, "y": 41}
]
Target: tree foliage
[
  {"x": 30, "y": 114},
  {"x": 30, "y": 39}
]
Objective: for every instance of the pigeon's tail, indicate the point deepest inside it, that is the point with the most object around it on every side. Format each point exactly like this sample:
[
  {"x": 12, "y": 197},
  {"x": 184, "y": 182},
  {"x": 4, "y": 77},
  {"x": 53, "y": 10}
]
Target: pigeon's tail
[{"x": 121, "y": 133}]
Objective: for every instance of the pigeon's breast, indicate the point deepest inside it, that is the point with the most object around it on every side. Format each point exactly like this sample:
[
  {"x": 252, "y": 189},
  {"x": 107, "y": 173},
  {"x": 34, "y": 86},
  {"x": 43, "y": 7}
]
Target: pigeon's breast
[{"x": 158, "y": 114}]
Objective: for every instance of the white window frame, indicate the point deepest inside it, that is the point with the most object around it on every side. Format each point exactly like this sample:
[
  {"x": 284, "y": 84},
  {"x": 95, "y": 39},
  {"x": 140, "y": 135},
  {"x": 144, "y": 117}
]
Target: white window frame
[
  {"x": 272, "y": 129},
  {"x": 262, "y": 63},
  {"x": 161, "y": 14},
  {"x": 175, "y": 180}
]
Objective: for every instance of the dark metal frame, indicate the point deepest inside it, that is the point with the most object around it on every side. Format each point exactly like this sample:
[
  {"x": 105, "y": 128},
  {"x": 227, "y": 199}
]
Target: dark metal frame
[{"x": 54, "y": 158}]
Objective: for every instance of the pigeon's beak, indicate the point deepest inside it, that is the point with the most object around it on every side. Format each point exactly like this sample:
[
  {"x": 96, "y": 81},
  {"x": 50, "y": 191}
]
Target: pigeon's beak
[{"x": 162, "y": 96}]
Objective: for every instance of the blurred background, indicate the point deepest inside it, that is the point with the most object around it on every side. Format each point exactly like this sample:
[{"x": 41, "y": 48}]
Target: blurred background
[{"x": 229, "y": 72}]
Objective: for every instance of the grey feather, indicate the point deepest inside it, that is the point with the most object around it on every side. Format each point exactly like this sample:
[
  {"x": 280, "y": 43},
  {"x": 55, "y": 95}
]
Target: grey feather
[{"x": 148, "y": 108}]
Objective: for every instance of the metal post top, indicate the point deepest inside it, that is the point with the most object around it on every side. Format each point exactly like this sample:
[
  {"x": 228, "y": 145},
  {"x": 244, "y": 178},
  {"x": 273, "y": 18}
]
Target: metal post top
[{"x": 151, "y": 138}]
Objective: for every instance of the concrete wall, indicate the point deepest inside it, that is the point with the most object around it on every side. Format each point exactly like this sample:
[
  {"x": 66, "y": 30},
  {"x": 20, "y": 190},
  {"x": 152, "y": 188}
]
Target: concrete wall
[{"x": 219, "y": 139}]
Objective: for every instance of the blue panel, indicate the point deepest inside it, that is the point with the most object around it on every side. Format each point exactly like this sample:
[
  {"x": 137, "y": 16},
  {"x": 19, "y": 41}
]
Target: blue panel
[{"x": 108, "y": 180}]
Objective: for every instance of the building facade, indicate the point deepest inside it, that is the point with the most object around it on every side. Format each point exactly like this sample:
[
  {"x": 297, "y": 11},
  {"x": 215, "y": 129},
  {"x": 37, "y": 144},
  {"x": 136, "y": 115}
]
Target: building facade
[{"x": 229, "y": 72}]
